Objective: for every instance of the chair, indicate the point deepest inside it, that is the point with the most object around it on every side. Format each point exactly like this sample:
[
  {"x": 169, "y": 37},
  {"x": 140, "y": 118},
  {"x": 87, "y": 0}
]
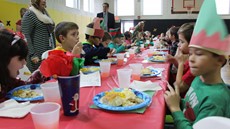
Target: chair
[
  {"x": 213, "y": 122},
  {"x": 45, "y": 55}
]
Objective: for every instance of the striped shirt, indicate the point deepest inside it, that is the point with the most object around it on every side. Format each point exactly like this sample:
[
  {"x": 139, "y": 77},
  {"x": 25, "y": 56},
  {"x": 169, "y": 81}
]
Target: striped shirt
[{"x": 37, "y": 36}]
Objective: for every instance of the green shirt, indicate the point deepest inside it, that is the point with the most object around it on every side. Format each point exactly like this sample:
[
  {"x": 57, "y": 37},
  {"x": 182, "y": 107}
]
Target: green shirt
[
  {"x": 119, "y": 48},
  {"x": 202, "y": 100}
]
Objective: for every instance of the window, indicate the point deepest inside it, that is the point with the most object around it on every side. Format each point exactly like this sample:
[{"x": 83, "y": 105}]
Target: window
[
  {"x": 126, "y": 25},
  {"x": 73, "y": 3},
  {"x": 125, "y": 7},
  {"x": 222, "y": 6},
  {"x": 152, "y": 7},
  {"x": 88, "y": 5}
]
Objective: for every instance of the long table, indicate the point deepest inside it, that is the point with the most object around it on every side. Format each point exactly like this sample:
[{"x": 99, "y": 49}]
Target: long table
[{"x": 88, "y": 118}]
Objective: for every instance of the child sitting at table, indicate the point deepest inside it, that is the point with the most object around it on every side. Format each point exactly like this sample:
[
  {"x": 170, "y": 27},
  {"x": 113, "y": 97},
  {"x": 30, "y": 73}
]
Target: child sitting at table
[
  {"x": 105, "y": 42},
  {"x": 208, "y": 95},
  {"x": 13, "y": 52},
  {"x": 117, "y": 40},
  {"x": 184, "y": 77},
  {"x": 67, "y": 35},
  {"x": 93, "y": 35},
  {"x": 173, "y": 37}
]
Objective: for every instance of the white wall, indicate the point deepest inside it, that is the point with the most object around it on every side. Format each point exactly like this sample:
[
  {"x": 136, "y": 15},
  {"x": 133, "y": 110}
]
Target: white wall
[
  {"x": 167, "y": 4},
  {"x": 60, "y": 5}
]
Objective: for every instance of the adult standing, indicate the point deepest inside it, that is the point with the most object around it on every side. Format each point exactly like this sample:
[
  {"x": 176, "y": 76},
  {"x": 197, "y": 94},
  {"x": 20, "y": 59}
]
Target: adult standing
[
  {"x": 38, "y": 28},
  {"x": 109, "y": 21}
]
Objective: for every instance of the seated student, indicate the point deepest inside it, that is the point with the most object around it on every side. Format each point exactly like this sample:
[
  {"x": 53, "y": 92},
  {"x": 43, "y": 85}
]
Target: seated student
[
  {"x": 173, "y": 37},
  {"x": 93, "y": 36},
  {"x": 13, "y": 52},
  {"x": 208, "y": 95},
  {"x": 128, "y": 36},
  {"x": 117, "y": 42},
  {"x": 105, "y": 42},
  {"x": 184, "y": 77},
  {"x": 67, "y": 35}
]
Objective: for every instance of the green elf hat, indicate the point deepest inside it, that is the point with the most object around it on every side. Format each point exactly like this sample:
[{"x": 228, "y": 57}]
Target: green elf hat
[
  {"x": 115, "y": 33},
  {"x": 210, "y": 31}
]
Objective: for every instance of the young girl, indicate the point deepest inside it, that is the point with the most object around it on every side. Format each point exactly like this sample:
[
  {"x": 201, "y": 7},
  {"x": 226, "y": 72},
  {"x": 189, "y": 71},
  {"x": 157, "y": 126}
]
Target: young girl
[
  {"x": 184, "y": 77},
  {"x": 13, "y": 52}
]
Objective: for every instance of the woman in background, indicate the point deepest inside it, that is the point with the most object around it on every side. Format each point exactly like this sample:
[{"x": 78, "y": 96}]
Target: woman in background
[{"x": 38, "y": 28}]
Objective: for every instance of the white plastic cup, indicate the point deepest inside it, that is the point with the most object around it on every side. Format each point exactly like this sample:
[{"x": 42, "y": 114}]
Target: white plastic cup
[
  {"x": 136, "y": 70},
  {"x": 120, "y": 58},
  {"x": 51, "y": 92},
  {"x": 131, "y": 52},
  {"x": 105, "y": 68},
  {"x": 46, "y": 115},
  {"x": 124, "y": 77}
]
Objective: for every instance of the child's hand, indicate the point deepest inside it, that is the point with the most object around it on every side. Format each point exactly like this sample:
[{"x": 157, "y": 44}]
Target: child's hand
[
  {"x": 77, "y": 49},
  {"x": 112, "y": 51},
  {"x": 172, "y": 99},
  {"x": 35, "y": 60},
  {"x": 180, "y": 57},
  {"x": 169, "y": 58}
]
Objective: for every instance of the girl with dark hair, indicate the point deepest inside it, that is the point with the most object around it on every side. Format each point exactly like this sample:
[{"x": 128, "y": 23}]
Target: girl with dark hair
[{"x": 13, "y": 52}]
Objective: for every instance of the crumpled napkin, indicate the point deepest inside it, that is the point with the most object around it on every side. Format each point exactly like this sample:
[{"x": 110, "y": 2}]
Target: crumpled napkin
[
  {"x": 145, "y": 86},
  {"x": 11, "y": 108}
]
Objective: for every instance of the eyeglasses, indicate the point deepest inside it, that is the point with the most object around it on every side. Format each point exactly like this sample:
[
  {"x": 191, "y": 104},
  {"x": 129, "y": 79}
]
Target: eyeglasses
[{"x": 16, "y": 38}]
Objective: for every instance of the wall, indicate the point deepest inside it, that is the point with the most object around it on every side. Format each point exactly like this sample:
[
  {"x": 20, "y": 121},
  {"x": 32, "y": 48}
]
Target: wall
[
  {"x": 167, "y": 4},
  {"x": 57, "y": 10}
]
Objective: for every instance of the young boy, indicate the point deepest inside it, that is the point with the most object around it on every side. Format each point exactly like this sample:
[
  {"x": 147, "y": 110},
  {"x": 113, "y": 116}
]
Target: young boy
[
  {"x": 67, "y": 35},
  {"x": 208, "y": 95},
  {"x": 117, "y": 40},
  {"x": 93, "y": 36}
]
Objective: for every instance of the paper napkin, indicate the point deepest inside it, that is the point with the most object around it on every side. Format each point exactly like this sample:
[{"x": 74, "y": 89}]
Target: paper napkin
[
  {"x": 92, "y": 79},
  {"x": 11, "y": 108},
  {"x": 145, "y": 86}
]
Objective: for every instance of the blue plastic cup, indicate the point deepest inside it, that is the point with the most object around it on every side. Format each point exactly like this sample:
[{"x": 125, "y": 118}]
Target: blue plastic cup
[{"x": 69, "y": 90}]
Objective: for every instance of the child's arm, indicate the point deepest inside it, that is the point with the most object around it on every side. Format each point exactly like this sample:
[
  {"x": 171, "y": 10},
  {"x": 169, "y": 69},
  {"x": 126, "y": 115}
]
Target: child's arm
[
  {"x": 90, "y": 52},
  {"x": 172, "y": 99},
  {"x": 77, "y": 49},
  {"x": 181, "y": 58}
]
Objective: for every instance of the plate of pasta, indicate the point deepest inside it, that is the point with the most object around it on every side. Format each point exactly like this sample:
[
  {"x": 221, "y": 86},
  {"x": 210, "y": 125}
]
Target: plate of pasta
[
  {"x": 157, "y": 59},
  {"x": 31, "y": 92},
  {"x": 149, "y": 72},
  {"x": 112, "y": 60},
  {"x": 122, "y": 99}
]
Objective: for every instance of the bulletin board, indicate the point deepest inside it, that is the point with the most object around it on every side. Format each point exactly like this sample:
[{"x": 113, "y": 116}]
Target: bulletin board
[{"x": 182, "y": 6}]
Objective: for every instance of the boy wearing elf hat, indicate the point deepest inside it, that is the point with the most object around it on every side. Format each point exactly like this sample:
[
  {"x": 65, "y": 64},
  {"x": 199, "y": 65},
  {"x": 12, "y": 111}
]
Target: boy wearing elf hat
[
  {"x": 93, "y": 35},
  {"x": 117, "y": 40},
  {"x": 208, "y": 95}
]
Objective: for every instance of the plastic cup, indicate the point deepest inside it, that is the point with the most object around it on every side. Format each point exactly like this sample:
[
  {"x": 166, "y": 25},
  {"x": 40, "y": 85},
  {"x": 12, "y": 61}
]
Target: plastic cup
[
  {"x": 51, "y": 92},
  {"x": 46, "y": 115},
  {"x": 69, "y": 88},
  {"x": 105, "y": 68},
  {"x": 120, "y": 59},
  {"x": 124, "y": 77},
  {"x": 136, "y": 71},
  {"x": 131, "y": 52}
]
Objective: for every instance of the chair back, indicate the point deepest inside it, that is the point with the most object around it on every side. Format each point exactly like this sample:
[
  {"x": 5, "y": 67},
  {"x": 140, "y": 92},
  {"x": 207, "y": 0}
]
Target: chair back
[{"x": 213, "y": 122}]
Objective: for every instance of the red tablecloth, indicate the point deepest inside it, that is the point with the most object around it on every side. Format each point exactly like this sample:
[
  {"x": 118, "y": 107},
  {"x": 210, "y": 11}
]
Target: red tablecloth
[{"x": 88, "y": 118}]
